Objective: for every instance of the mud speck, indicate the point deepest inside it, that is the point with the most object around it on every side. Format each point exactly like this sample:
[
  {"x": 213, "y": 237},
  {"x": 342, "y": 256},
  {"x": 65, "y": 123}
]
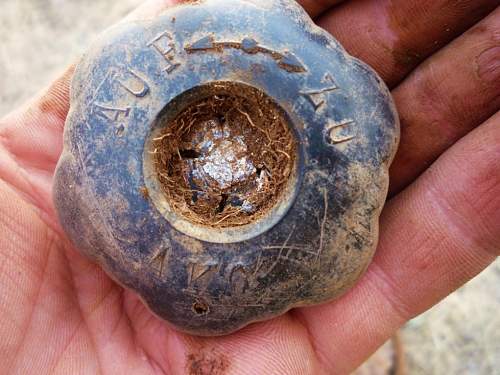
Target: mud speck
[
  {"x": 144, "y": 192},
  {"x": 207, "y": 363}
]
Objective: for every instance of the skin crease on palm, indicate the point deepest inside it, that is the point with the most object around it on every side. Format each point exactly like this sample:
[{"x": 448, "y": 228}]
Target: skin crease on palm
[{"x": 62, "y": 315}]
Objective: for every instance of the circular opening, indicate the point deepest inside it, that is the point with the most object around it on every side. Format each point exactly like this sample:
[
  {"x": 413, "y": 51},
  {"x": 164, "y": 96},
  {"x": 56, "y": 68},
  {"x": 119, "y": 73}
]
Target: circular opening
[
  {"x": 225, "y": 159},
  {"x": 200, "y": 308},
  {"x": 223, "y": 155}
]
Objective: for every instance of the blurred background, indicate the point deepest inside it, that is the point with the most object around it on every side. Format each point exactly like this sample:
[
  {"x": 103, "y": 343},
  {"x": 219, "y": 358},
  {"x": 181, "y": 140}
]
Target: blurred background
[{"x": 461, "y": 335}]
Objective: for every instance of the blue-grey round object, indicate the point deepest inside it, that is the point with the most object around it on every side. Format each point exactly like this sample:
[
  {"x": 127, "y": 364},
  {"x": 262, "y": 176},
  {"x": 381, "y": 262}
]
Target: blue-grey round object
[{"x": 319, "y": 233}]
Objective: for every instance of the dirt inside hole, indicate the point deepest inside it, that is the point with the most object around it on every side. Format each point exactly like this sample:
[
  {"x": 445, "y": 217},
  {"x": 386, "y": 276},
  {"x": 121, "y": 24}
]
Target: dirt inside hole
[
  {"x": 225, "y": 159},
  {"x": 200, "y": 308}
]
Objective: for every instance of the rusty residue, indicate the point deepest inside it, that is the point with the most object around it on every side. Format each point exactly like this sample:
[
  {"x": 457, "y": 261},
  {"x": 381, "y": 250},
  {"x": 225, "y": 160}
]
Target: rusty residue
[{"x": 144, "y": 192}]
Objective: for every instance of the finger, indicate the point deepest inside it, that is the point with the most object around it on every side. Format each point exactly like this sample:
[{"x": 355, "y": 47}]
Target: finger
[
  {"x": 435, "y": 236},
  {"x": 31, "y": 142},
  {"x": 446, "y": 97},
  {"x": 316, "y": 7},
  {"x": 21, "y": 272},
  {"x": 274, "y": 347},
  {"x": 33, "y": 132},
  {"x": 394, "y": 36},
  {"x": 278, "y": 346}
]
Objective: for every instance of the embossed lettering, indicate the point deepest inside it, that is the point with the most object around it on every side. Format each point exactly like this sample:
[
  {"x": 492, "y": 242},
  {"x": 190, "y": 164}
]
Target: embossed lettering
[
  {"x": 164, "y": 44},
  {"x": 318, "y": 97},
  {"x": 239, "y": 279},
  {"x": 119, "y": 83},
  {"x": 160, "y": 260},
  {"x": 198, "y": 271},
  {"x": 134, "y": 84},
  {"x": 340, "y": 132},
  {"x": 111, "y": 113}
]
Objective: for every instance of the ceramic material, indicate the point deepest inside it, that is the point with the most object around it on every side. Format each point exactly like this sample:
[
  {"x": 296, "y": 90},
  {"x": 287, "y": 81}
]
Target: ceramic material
[{"x": 309, "y": 247}]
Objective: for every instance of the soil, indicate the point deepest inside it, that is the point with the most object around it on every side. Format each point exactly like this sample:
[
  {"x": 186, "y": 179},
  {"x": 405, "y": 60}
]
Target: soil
[{"x": 226, "y": 159}]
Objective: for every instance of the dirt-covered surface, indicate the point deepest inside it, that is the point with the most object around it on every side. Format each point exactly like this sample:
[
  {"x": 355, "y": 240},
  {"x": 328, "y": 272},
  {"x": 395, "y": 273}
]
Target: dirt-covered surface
[{"x": 40, "y": 38}]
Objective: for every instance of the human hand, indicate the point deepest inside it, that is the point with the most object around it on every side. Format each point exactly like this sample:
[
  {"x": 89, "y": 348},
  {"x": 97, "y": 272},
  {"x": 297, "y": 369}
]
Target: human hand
[{"x": 62, "y": 314}]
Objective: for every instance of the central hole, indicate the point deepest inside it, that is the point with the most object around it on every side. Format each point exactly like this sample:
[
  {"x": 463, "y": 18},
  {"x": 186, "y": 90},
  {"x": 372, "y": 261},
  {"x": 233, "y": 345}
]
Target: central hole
[{"x": 225, "y": 159}]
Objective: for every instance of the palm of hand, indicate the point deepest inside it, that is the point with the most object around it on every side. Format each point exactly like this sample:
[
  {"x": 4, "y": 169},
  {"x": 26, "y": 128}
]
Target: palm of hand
[{"x": 62, "y": 314}]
